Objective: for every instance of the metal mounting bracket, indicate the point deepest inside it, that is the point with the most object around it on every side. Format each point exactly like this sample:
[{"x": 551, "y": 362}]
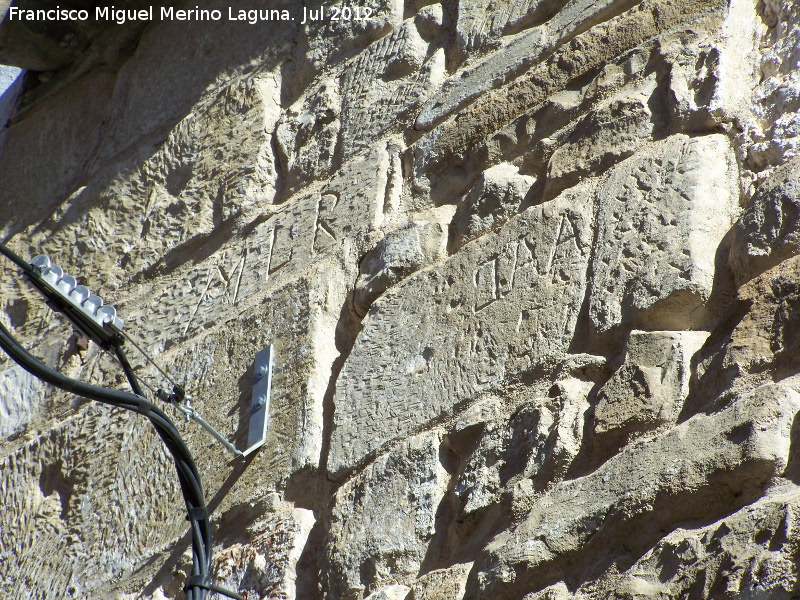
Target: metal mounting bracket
[{"x": 259, "y": 409}]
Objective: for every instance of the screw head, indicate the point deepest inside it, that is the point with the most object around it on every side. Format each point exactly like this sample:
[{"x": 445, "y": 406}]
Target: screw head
[
  {"x": 259, "y": 402},
  {"x": 261, "y": 371}
]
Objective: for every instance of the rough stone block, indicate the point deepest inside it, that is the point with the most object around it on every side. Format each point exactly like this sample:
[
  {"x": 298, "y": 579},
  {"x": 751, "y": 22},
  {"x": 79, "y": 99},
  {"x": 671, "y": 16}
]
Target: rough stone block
[
  {"x": 382, "y": 519},
  {"x": 307, "y": 134},
  {"x": 497, "y": 307},
  {"x": 768, "y": 231},
  {"x": 699, "y": 469},
  {"x": 649, "y": 388},
  {"x": 399, "y": 254},
  {"x": 746, "y": 554},
  {"x": 59, "y": 146},
  {"x": 661, "y": 217},
  {"x": 267, "y": 564},
  {"x": 340, "y": 216},
  {"x": 496, "y": 196},
  {"x": 516, "y": 56},
  {"x": 51, "y": 483},
  {"x": 21, "y": 396},
  {"x": 764, "y": 344},
  {"x": 606, "y": 135},
  {"x": 441, "y": 584},
  {"x": 326, "y": 41},
  {"x": 384, "y": 86},
  {"x": 390, "y": 592},
  {"x": 482, "y": 22}
]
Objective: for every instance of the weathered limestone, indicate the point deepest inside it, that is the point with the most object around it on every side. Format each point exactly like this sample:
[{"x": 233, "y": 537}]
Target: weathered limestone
[
  {"x": 390, "y": 592},
  {"x": 383, "y": 517},
  {"x": 763, "y": 344},
  {"x": 768, "y": 231},
  {"x": 324, "y": 42},
  {"x": 441, "y": 584},
  {"x": 773, "y": 133},
  {"x": 64, "y": 538},
  {"x": 609, "y": 133},
  {"x": 587, "y": 51},
  {"x": 498, "y": 194},
  {"x": 448, "y": 218},
  {"x": 534, "y": 446},
  {"x": 746, "y": 554},
  {"x": 339, "y": 217},
  {"x": 517, "y": 56},
  {"x": 384, "y": 85},
  {"x": 398, "y": 255},
  {"x": 710, "y": 459},
  {"x": 648, "y": 390},
  {"x": 266, "y": 564},
  {"x": 449, "y": 332},
  {"x": 307, "y": 135},
  {"x": 661, "y": 218},
  {"x": 21, "y": 395}
]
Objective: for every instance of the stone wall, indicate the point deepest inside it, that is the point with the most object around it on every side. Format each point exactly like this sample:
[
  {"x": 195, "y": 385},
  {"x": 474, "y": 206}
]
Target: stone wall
[{"x": 531, "y": 272}]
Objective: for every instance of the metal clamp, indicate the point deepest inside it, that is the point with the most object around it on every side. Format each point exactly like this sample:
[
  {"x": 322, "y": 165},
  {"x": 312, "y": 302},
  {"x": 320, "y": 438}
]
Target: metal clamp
[{"x": 259, "y": 410}]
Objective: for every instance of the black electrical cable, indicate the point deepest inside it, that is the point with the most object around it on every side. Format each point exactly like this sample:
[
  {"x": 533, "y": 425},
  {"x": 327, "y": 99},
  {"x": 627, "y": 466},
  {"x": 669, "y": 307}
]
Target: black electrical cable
[
  {"x": 188, "y": 476},
  {"x": 126, "y": 366}
]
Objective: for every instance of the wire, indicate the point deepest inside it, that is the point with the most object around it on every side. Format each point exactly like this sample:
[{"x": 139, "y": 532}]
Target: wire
[
  {"x": 188, "y": 476},
  {"x": 147, "y": 356},
  {"x": 126, "y": 366}
]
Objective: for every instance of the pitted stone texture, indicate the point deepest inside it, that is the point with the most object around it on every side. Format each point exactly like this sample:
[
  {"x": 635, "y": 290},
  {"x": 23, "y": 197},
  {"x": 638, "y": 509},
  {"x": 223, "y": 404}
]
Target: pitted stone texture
[
  {"x": 399, "y": 254},
  {"x": 697, "y": 80},
  {"x": 382, "y": 519},
  {"x": 383, "y": 87},
  {"x": 390, "y": 592},
  {"x": 710, "y": 460},
  {"x": 119, "y": 453},
  {"x": 775, "y": 131},
  {"x": 749, "y": 554},
  {"x": 170, "y": 203},
  {"x": 446, "y": 143},
  {"x": 267, "y": 564},
  {"x": 325, "y": 41},
  {"x": 768, "y": 231},
  {"x": 763, "y": 344},
  {"x": 300, "y": 320},
  {"x": 498, "y": 307},
  {"x": 498, "y": 194},
  {"x": 21, "y": 397},
  {"x": 59, "y": 536},
  {"x": 441, "y": 584},
  {"x": 649, "y": 388},
  {"x": 661, "y": 217},
  {"x": 59, "y": 145},
  {"x": 535, "y": 445},
  {"x": 607, "y": 134},
  {"x": 307, "y": 135},
  {"x": 517, "y": 55},
  {"x": 306, "y": 231}
]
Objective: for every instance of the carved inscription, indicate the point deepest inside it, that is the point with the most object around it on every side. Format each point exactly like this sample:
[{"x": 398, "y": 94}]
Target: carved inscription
[{"x": 501, "y": 305}]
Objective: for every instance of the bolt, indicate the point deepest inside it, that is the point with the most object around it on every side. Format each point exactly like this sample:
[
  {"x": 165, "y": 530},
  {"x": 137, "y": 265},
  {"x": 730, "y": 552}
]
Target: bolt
[
  {"x": 259, "y": 402},
  {"x": 262, "y": 370}
]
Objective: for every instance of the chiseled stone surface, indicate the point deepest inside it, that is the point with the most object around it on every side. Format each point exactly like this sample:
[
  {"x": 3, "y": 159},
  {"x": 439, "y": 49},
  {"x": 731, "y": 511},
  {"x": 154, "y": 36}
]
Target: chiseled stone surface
[
  {"x": 768, "y": 232},
  {"x": 498, "y": 307},
  {"x": 529, "y": 266},
  {"x": 382, "y": 519},
  {"x": 649, "y": 389},
  {"x": 661, "y": 216},
  {"x": 710, "y": 459}
]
